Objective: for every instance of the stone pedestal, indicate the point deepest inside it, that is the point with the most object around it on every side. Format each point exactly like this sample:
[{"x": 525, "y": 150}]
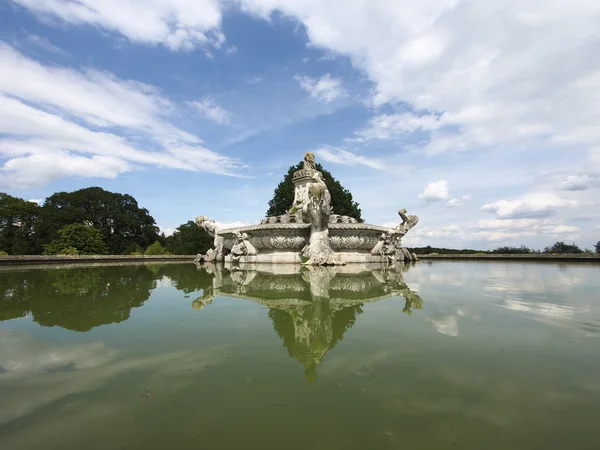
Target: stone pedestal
[{"x": 301, "y": 179}]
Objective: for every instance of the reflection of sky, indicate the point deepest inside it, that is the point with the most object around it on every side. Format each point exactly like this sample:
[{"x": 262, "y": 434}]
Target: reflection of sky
[
  {"x": 559, "y": 296},
  {"x": 445, "y": 324}
]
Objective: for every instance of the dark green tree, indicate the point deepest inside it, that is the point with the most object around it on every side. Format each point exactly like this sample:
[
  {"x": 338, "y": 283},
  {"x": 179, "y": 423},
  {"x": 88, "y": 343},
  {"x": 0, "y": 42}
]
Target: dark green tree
[
  {"x": 189, "y": 239},
  {"x": 85, "y": 239},
  {"x": 597, "y": 247},
  {"x": 17, "y": 220},
  {"x": 561, "y": 247},
  {"x": 341, "y": 198},
  {"x": 118, "y": 217}
]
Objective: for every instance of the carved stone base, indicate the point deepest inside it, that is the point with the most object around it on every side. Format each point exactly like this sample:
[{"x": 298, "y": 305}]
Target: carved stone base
[{"x": 294, "y": 258}]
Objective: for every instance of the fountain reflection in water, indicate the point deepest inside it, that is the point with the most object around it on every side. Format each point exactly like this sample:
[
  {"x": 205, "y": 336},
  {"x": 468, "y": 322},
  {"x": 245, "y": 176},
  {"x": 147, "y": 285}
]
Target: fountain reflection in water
[{"x": 311, "y": 307}]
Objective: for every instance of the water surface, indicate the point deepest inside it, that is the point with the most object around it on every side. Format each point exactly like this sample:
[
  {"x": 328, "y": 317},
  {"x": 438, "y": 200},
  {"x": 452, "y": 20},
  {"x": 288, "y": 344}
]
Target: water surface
[{"x": 473, "y": 355}]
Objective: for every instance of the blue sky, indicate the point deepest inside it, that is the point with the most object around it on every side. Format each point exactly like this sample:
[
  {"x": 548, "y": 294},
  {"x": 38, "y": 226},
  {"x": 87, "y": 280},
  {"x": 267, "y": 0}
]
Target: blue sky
[{"x": 480, "y": 117}]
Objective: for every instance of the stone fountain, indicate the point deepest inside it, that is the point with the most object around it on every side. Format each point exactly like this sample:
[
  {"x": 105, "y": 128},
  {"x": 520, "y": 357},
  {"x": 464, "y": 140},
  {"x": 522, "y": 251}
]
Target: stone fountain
[{"x": 309, "y": 233}]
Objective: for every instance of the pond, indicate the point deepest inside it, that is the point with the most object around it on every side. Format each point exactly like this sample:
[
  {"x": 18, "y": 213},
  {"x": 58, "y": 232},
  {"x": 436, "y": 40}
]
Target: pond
[{"x": 434, "y": 355}]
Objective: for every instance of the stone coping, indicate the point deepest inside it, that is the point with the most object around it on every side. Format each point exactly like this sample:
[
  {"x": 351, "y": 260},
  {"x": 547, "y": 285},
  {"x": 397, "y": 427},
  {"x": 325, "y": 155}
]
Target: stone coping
[
  {"x": 70, "y": 259},
  {"x": 302, "y": 226},
  {"x": 516, "y": 257}
]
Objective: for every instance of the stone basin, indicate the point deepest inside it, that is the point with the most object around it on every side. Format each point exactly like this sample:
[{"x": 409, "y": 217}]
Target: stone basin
[{"x": 281, "y": 238}]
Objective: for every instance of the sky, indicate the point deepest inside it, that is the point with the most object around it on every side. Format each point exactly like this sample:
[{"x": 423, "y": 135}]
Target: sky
[{"x": 480, "y": 117}]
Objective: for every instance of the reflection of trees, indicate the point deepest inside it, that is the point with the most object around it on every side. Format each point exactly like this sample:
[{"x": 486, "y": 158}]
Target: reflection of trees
[
  {"x": 187, "y": 278},
  {"x": 309, "y": 331},
  {"x": 15, "y": 293},
  {"x": 77, "y": 299},
  {"x": 343, "y": 320}
]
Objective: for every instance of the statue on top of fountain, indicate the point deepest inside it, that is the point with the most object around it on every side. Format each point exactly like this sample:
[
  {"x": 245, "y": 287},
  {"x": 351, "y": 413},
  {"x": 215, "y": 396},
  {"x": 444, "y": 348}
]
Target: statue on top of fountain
[
  {"x": 309, "y": 161},
  {"x": 301, "y": 179}
]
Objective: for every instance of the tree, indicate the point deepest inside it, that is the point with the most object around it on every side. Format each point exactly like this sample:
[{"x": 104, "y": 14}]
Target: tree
[
  {"x": 189, "y": 239},
  {"x": 156, "y": 249},
  {"x": 17, "y": 220},
  {"x": 597, "y": 247},
  {"x": 118, "y": 217},
  {"x": 561, "y": 247},
  {"x": 508, "y": 250},
  {"x": 341, "y": 198},
  {"x": 85, "y": 239}
]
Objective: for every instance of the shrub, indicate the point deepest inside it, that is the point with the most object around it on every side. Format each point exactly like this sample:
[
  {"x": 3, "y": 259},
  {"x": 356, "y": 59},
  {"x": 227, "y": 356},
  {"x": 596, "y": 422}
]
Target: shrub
[
  {"x": 156, "y": 249},
  {"x": 72, "y": 251},
  {"x": 561, "y": 247},
  {"x": 84, "y": 239}
]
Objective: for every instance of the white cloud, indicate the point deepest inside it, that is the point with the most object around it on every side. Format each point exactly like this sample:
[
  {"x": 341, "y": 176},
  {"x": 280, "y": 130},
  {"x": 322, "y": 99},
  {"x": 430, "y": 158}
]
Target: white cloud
[
  {"x": 346, "y": 158},
  {"x": 176, "y": 24},
  {"x": 435, "y": 191},
  {"x": 577, "y": 182},
  {"x": 392, "y": 126},
  {"x": 538, "y": 204},
  {"x": 57, "y": 122},
  {"x": 98, "y": 98},
  {"x": 496, "y": 231},
  {"x": 44, "y": 44},
  {"x": 254, "y": 80},
  {"x": 458, "y": 201},
  {"x": 511, "y": 72},
  {"x": 37, "y": 201},
  {"x": 209, "y": 109},
  {"x": 325, "y": 89}
]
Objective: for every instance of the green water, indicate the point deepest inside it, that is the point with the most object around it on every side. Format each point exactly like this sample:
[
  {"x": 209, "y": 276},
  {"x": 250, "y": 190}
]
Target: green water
[{"x": 456, "y": 355}]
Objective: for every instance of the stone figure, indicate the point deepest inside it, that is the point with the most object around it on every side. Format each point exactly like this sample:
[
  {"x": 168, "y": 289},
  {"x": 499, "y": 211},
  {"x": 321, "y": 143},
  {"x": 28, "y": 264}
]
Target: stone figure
[
  {"x": 211, "y": 227},
  {"x": 407, "y": 222},
  {"x": 378, "y": 249},
  {"x": 388, "y": 250},
  {"x": 316, "y": 211},
  {"x": 242, "y": 247},
  {"x": 309, "y": 161}
]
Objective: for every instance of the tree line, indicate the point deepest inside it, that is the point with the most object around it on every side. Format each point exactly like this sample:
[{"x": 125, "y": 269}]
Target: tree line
[
  {"x": 90, "y": 221},
  {"x": 556, "y": 248}
]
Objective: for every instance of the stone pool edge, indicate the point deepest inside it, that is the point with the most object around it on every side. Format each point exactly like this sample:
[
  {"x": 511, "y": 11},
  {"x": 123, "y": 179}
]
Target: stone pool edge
[
  {"x": 59, "y": 259},
  {"x": 84, "y": 259},
  {"x": 512, "y": 257}
]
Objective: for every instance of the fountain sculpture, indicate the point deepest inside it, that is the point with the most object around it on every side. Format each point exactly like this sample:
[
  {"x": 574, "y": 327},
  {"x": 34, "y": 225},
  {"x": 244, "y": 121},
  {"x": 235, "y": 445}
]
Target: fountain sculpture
[{"x": 309, "y": 233}]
